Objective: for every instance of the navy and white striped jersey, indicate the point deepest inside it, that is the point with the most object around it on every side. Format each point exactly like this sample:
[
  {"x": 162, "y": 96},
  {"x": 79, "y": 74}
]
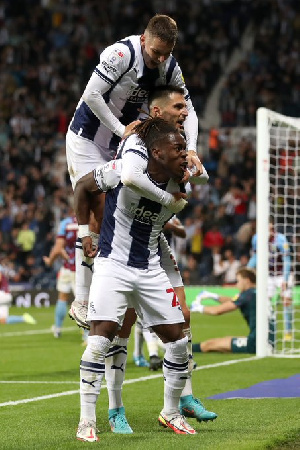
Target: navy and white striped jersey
[
  {"x": 132, "y": 224},
  {"x": 122, "y": 81}
]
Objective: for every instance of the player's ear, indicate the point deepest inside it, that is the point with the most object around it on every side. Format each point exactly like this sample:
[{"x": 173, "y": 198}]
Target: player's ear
[
  {"x": 143, "y": 40},
  {"x": 156, "y": 111},
  {"x": 155, "y": 152}
]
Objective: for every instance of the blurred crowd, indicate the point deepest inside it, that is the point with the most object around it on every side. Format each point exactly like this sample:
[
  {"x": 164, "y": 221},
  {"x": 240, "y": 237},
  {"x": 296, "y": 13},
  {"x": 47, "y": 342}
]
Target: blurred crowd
[
  {"x": 48, "y": 49},
  {"x": 269, "y": 74}
]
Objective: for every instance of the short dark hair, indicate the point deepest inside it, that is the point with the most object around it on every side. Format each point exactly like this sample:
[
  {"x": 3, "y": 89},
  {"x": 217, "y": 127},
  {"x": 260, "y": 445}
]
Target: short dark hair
[
  {"x": 153, "y": 130},
  {"x": 163, "y": 91},
  {"x": 245, "y": 272},
  {"x": 163, "y": 27}
]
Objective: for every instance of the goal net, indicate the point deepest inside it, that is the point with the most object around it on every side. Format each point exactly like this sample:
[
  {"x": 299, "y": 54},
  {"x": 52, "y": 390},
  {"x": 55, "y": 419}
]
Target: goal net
[{"x": 278, "y": 253}]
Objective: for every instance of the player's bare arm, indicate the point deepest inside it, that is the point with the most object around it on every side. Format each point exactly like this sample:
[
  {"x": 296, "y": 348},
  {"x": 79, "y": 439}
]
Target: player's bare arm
[
  {"x": 58, "y": 250},
  {"x": 176, "y": 227},
  {"x": 224, "y": 308}
]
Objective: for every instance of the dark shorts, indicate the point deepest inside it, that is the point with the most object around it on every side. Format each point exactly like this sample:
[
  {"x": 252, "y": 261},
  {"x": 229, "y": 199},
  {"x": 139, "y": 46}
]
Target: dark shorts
[{"x": 242, "y": 345}]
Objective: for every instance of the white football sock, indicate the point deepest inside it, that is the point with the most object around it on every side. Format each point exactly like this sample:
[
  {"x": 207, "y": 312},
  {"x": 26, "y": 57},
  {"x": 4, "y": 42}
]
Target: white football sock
[
  {"x": 175, "y": 370},
  {"x": 115, "y": 365},
  {"x": 187, "y": 390},
  {"x": 92, "y": 368},
  {"x": 84, "y": 269}
]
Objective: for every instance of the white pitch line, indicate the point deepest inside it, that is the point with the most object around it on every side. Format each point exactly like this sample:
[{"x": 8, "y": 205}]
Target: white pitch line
[
  {"x": 134, "y": 380},
  {"x": 28, "y": 332},
  {"x": 36, "y": 399},
  {"x": 38, "y": 382}
]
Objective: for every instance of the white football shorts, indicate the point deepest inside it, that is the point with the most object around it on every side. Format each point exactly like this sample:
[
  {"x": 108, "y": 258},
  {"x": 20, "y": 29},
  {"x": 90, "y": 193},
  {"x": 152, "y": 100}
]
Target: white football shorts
[
  {"x": 116, "y": 287},
  {"x": 276, "y": 282},
  {"x": 65, "y": 281},
  {"x": 83, "y": 156}
]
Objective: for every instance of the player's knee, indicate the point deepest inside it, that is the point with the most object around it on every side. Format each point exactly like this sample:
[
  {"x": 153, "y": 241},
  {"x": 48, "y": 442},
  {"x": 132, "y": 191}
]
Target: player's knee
[
  {"x": 170, "y": 333},
  {"x": 107, "y": 329}
]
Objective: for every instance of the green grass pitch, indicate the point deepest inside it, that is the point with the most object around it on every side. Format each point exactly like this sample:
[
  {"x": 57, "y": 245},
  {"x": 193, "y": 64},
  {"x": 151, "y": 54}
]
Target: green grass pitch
[{"x": 44, "y": 373}]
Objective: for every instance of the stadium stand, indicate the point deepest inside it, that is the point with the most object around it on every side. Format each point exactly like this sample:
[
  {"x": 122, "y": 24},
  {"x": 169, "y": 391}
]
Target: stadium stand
[{"x": 48, "y": 49}]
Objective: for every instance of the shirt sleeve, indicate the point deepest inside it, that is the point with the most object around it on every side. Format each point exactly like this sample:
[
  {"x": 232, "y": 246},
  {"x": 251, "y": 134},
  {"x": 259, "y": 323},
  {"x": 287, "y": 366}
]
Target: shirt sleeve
[
  {"x": 134, "y": 175},
  {"x": 107, "y": 176},
  {"x": 201, "y": 179},
  {"x": 114, "y": 61},
  {"x": 61, "y": 232},
  {"x": 191, "y": 122},
  {"x": 239, "y": 299}
]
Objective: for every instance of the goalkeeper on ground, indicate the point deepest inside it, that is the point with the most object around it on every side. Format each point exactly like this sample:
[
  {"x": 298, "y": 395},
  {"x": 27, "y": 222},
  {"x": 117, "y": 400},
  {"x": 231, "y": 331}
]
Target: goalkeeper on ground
[{"x": 246, "y": 302}]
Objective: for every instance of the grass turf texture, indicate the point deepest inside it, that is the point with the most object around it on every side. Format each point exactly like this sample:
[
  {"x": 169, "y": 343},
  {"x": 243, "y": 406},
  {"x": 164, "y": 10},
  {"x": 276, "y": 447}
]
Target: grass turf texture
[{"x": 51, "y": 423}]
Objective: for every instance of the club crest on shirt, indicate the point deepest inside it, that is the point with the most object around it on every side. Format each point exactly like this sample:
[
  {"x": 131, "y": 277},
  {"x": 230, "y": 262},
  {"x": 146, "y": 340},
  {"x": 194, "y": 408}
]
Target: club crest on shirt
[{"x": 115, "y": 56}]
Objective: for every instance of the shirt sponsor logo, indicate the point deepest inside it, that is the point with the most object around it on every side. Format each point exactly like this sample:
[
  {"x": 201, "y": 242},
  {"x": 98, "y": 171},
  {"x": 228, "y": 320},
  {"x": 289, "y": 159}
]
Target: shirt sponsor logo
[
  {"x": 137, "y": 95},
  {"x": 99, "y": 173},
  {"x": 108, "y": 68},
  {"x": 142, "y": 215}
]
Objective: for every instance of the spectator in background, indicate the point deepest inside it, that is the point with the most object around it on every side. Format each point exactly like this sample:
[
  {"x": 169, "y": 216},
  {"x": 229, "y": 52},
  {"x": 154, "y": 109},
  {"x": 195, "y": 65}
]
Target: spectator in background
[
  {"x": 213, "y": 238},
  {"x": 191, "y": 274},
  {"x": 225, "y": 267},
  {"x": 25, "y": 240},
  {"x": 216, "y": 190},
  {"x": 29, "y": 269},
  {"x": 6, "y": 223},
  {"x": 243, "y": 237},
  {"x": 221, "y": 219}
]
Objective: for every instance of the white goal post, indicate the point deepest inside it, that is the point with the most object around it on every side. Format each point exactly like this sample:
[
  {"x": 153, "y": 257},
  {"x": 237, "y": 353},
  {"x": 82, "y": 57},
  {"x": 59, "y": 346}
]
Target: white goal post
[{"x": 278, "y": 201}]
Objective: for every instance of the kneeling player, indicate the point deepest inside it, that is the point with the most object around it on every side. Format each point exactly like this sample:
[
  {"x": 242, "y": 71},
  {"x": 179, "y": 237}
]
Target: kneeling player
[{"x": 246, "y": 302}]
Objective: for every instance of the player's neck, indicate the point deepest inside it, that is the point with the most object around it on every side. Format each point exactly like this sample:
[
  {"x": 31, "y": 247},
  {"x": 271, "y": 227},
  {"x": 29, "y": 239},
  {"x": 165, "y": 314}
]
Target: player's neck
[
  {"x": 156, "y": 172},
  {"x": 158, "y": 177},
  {"x": 248, "y": 286}
]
